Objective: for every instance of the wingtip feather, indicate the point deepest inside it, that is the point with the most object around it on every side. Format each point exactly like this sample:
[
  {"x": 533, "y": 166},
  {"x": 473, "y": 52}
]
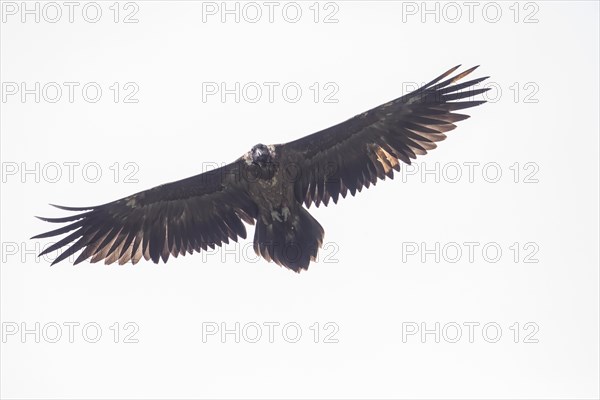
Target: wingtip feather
[
  {"x": 451, "y": 70},
  {"x": 464, "y": 73},
  {"x": 71, "y": 208}
]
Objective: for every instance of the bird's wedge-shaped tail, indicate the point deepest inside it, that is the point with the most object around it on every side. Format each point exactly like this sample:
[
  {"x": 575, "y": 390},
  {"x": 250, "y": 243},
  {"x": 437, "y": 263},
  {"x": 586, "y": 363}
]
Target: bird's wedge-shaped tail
[{"x": 291, "y": 239}]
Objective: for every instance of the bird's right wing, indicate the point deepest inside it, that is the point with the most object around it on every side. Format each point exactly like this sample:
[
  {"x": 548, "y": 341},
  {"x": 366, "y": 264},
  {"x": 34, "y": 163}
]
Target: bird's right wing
[
  {"x": 357, "y": 152},
  {"x": 171, "y": 219}
]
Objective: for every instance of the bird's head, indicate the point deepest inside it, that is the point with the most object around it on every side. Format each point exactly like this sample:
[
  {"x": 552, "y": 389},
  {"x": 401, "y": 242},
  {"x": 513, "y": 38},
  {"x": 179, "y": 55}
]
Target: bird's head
[{"x": 261, "y": 154}]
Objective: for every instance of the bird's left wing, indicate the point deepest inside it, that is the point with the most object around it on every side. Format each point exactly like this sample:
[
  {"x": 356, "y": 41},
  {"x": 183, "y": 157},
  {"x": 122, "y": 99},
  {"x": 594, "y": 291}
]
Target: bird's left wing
[
  {"x": 357, "y": 152},
  {"x": 183, "y": 216}
]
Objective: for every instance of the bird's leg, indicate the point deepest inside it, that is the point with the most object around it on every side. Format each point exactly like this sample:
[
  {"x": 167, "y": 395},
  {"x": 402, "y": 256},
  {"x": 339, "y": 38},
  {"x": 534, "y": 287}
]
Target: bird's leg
[
  {"x": 282, "y": 215},
  {"x": 275, "y": 215},
  {"x": 285, "y": 212}
]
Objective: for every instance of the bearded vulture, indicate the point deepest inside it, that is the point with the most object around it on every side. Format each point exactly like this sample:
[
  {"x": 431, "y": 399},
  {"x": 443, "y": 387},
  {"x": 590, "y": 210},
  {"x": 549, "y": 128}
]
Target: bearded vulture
[{"x": 268, "y": 186}]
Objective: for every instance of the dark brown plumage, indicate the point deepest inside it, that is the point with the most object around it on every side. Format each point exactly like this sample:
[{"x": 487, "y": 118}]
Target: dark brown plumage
[{"x": 268, "y": 186}]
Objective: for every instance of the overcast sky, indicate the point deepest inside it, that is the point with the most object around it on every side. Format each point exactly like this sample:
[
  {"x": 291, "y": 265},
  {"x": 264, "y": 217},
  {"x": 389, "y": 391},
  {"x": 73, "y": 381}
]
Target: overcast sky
[{"x": 473, "y": 274}]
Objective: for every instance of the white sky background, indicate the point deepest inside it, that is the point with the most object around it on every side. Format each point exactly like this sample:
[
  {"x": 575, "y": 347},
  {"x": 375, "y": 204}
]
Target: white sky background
[{"x": 543, "y": 115}]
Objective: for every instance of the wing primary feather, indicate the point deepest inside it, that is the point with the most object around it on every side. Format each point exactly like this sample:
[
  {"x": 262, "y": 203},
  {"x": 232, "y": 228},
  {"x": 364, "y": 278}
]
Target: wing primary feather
[
  {"x": 463, "y": 85},
  {"x": 60, "y": 231},
  {"x": 64, "y": 241},
  {"x": 73, "y": 208},
  {"x": 71, "y": 250},
  {"x": 439, "y": 78}
]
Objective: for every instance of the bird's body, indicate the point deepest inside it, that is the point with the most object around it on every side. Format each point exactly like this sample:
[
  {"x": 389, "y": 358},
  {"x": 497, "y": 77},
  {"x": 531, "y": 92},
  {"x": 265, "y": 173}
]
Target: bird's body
[{"x": 269, "y": 186}]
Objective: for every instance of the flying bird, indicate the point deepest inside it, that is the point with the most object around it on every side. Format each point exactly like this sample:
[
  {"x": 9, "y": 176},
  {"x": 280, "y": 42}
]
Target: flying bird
[{"x": 271, "y": 186}]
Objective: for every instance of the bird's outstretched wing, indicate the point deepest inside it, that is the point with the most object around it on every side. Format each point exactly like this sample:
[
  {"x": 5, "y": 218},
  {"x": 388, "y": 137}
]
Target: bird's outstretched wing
[
  {"x": 357, "y": 152},
  {"x": 178, "y": 217}
]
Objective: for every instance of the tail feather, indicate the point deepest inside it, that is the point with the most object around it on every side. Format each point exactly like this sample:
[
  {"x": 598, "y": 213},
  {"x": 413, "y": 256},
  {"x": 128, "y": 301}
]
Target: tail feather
[{"x": 292, "y": 241}]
